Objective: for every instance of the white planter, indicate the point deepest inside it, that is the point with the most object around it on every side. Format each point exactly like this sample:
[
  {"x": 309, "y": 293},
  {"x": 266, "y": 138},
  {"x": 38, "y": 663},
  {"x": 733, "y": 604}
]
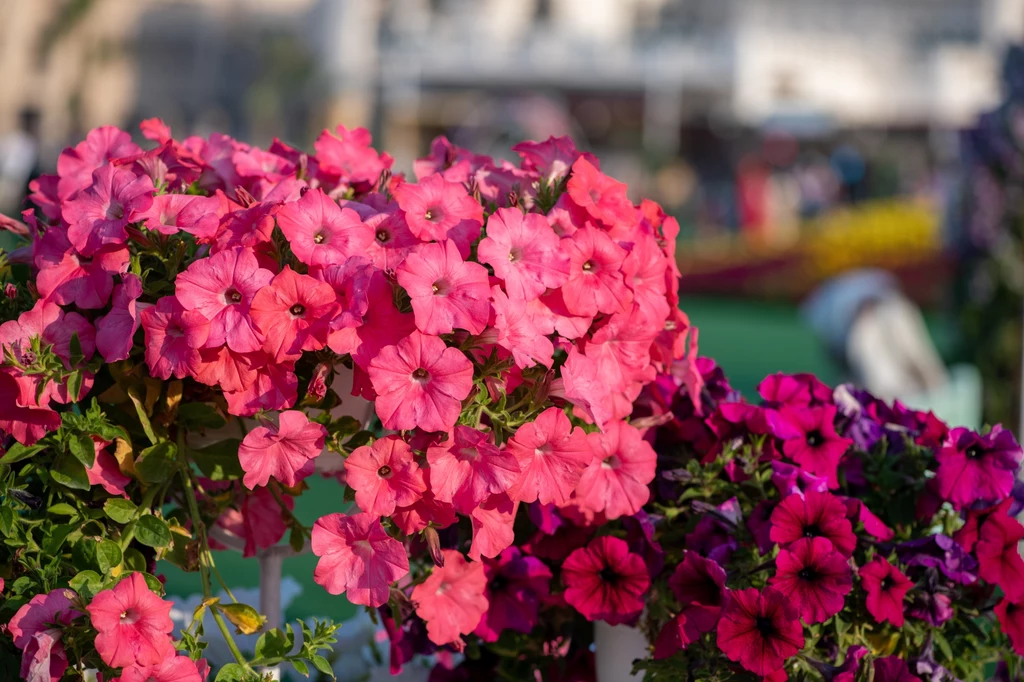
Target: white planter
[{"x": 615, "y": 649}]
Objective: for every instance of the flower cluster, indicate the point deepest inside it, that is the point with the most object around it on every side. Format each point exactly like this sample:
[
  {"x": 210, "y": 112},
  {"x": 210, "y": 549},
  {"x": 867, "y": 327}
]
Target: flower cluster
[{"x": 192, "y": 305}]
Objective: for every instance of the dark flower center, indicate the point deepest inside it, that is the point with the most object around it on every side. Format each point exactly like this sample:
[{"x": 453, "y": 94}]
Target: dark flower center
[
  {"x": 608, "y": 575},
  {"x": 811, "y": 530},
  {"x": 808, "y": 574},
  {"x": 384, "y": 471},
  {"x": 499, "y": 583},
  {"x": 433, "y": 215},
  {"x": 887, "y": 583},
  {"x": 588, "y": 267},
  {"x": 382, "y": 236},
  {"x": 974, "y": 452},
  {"x": 421, "y": 374},
  {"x": 764, "y": 625},
  {"x": 297, "y": 309},
  {"x": 233, "y": 296},
  {"x": 814, "y": 438}
]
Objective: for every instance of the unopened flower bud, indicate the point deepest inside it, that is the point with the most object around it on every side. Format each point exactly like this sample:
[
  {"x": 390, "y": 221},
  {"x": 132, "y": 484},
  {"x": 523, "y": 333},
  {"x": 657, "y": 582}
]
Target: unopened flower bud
[
  {"x": 317, "y": 389},
  {"x": 10, "y": 291},
  {"x": 434, "y": 545}
]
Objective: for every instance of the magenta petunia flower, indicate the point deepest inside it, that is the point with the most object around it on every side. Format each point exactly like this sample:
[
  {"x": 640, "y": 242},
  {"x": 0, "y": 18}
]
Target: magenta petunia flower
[
  {"x": 452, "y": 600},
  {"x": 65, "y": 277},
  {"x": 602, "y": 197},
  {"x": 293, "y": 313},
  {"x": 814, "y": 576},
  {"x": 817, "y": 448},
  {"x": 1011, "y": 622},
  {"x": 284, "y": 451},
  {"x": 813, "y": 515},
  {"x": 886, "y": 587},
  {"x": 616, "y": 480},
  {"x": 760, "y": 630},
  {"x": 605, "y": 581},
  {"x": 999, "y": 560},
  {"x": 446, "y": 292},
  {"x": 973, "y": 467},
  {"x": 320, "y": 232},
  {"x": 434, "y": 207},
  {"x": 518, "y": 331},
  {"x": 893, "y": 669},
  {"x": 595, "y": 281},
  {"x": 420, "y": 383},
  {"x": 115, "y": 330},
  {"x": 171, "y": 669},
  {"x": 222, "y": 287},
  {"x": 524, "y": 252},
  {"x": 134, "y": 624},
  {"x": 468, "y": 468},
  {"x": 384, "y": 475},
  {"x": 357, "y": 557},
  {"x": 699, "y": 585},
  {"x": 174, "y": 336},
  {"x": 516, "y": 586},
  {"x": 552, "y": 456},
  {"x": 99, "y": 215}
]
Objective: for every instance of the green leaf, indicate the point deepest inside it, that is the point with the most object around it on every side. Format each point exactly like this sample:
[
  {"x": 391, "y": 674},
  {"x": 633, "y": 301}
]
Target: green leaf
[
  {"x": 200, "y": 416},
  {"x": 244, "y": 617},
  {"x": 86, "y": 583},
  {"x": 7, "y": 521},
  {"x": 219, "y": 461},
  {"x": 76, "y": 350},
  {"x": 322, "y": 665},
  {"x": 70, "y": 473},
  {"x": 18, "y": 452},
  {"x": 140, "y": 409},
  {"x": 273, "y": 644},
  {"x": 232, "y": 672},
  {"x": 300, "y": 666},
  {"x": 120, "y": 510},
  {"x": 62, "y": 509},
  {"x": 152, "y": 582},
  {"x": 940, "y": 641},
  {"x": 75, "y": 385},
  {"x": 134, "y": 560},
  {"x": 152, "y": 531},
  {"x": 83, "y": 450},
  {"x": 108, "y": 555},
  {"x": 157, "y": 463}
]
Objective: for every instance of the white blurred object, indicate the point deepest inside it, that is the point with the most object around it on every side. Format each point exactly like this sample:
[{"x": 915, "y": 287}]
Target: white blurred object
[{"x": 615, "y": 649}]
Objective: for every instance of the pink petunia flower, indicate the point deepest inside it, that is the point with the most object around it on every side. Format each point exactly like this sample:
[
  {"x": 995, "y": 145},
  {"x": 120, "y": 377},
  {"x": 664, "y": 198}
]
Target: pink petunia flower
[
  {"x": 320, "y": 232},
  {"x": 384, "y": 475},
  {"x": 605, "y": 581},
  {"x": 552, "y": 158},
  {"x": 643, "y": 271},
  {"x": 602, "y": 197},
  {"x": 285, "y": 451},
  {"x": 973, "y": 467},
  {"x": 20, "y": 413},
  {"x": 595, "y": 281},
  {"x": 887, "y": 587},
  {"x": 426, "y": 511},
  {"x": 294, "y": 313},
  {"x": 598, "y": 397},
  {"x": 65, "y": 277},
  {"x": 171, "y": 213},
  {"x": 616, "y": 480},
  {"x": 47, "y": 321},
  {"x": 525, "y": 252},
  {"x": 760, "y": 630},
  {"x": 222, "y": 288},
  {"x": 420, "y": 383},
  {"x": 815, "y": 577},
  {"x": 174, "y": 336},
  {"x": 258, "y": 520},
  {"x": 468, "y": 468},
  {"x": 446, "y": 292},
  {"x": 99, "y": 215},
  {"x": 115, "y": 331},
  {"x": 171, "y": 669},
  {"x": 492, "y": 524},
  {"x": 37, "y": 629},
  {"x": 552, "y": 456},
  {"x": 434, "y": 207},
  {"x": 519, "y": 333},
  {"x": 452, "y": 600},
  {"x": 348, "y": 155},
  {"x": 275, "y": 387},
  {"x": 516, "y": 586},
  {"x": 75, "y": 166},
  {"x": 357, "y": 557},
  {"x": 999, "y": 560},
  {"x": 134, "y": 624},
  {"x": 383, "y": 324},
  {"x": 105, "y": 471},
  {"x": 392, "y": 238},
  {"x": 813, "y": 515}
]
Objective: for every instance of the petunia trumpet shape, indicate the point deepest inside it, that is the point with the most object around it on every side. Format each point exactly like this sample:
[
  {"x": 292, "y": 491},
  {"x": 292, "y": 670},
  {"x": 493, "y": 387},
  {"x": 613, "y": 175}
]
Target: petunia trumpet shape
[
  {"x": 357, "y": 557},
  {"x": 284, "y": 451}
]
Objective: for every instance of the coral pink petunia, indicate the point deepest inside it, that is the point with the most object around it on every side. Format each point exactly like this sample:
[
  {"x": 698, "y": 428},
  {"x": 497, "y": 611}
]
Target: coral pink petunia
[
  {"x": 616, "y": 480},
  {"x": 383, "y": 324},
  {"x": 259, "y": 520},
  {"x": 99, "y": 215},
  {"x": 999, "y": 560},
  {"x": 65, "y": 277},
  {"x": 357, "y": 557},
  {"x": 275, "y": 387},
  {"x": 552, "y": 456},
  {"x": 134, "y": 624},
  {"x": 595, "y": 281},
  {"x": 174, "y": 336},
  {"x": 602, "y": 197},
  {"x": 53, "y": 326},
  {"x": 115, "y": 330},
  {"x": 814, "y": 576},
  {"x": 294, "y": 313},
  {"x": 420, "y": 383},
  {"x": 525, "y": 252},
  {"x": 434, "y": 207},
  {"x": 452, "y": 600},
  {"x": 426, "y": 511},
  {"x": 348, "y": 155},
  {"x": 760, "y": 630},
  {"x": 320, "y": 232},
  {"x": 492, "y": 524},
  {"x": 392, "y": 238},
  {"x": 886, "y": 587},
  {"x": 285, "y": 451},
  {"x": 222, "y": 287},
  {"x": 384, "y": 475},
  {"x": 105, "y": 471},
  {"x": 171, "y": 669},
  {"x": 813, "y": 515},
  {"x": 468, "y": 468},
  {"x": 605, "y": 581},
  {"x": 75, "y": 165},
  {"x": 446, "y": 292},
  {"x": 516, "y": 586},
  {"x": 518, "y": 331}
]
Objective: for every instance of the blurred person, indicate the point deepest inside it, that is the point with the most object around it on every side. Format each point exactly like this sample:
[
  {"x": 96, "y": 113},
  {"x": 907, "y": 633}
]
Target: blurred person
[{"x": 19, "y": 161}]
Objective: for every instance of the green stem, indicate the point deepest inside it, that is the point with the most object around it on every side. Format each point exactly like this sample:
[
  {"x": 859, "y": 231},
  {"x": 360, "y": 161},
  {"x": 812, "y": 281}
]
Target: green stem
[{"x": 129, "y": 529}]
